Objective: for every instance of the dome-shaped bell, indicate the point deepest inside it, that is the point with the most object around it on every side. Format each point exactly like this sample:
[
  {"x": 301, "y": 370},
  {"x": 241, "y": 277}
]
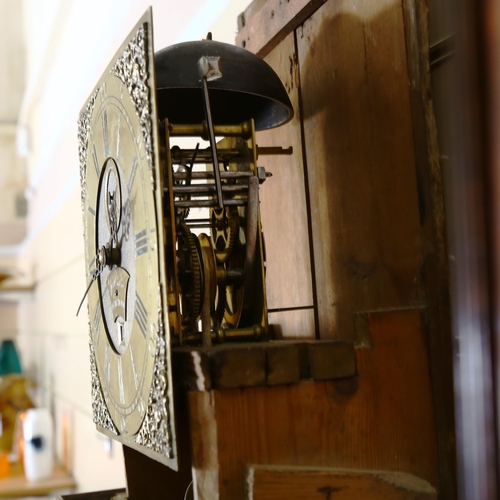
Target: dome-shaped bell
[{"x": 249, "y": 87}]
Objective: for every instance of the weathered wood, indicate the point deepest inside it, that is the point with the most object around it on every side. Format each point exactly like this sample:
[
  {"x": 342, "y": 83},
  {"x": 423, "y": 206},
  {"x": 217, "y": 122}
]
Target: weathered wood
[
  {"x": 284, "y": 214},
  {"x": 271, "y": 23},
  {"x": 205, "y": 450},
  {"x": 292, "y": 323},
  {"x": 191, "y": 369},
  {"x": 331, "y": 360},
  {"x": 382, "y": 419},
  {"x": 377, "y": 205},
  {"x": 435, "y": 268},
  {"x": 282, "y": 365},
  {"x": 302, "y": 483},
  {"x": 247, "y": 15},
  {"x": 229, "y": 366},
  {"x": 360, "y": 162},
  {"x": 239, "y": 367}
]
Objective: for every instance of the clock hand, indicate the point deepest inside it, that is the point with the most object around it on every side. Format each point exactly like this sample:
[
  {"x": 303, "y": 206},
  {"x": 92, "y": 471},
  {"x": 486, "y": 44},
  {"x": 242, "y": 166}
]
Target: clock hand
[
  {"x": 105, "y": 256},
  {"x": 100, "y": 259}
]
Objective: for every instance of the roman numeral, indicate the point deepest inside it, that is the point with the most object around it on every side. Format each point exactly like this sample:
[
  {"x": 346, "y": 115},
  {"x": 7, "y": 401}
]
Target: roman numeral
[
  {"x": 133, "y": 171},
  {"x": 90, "y": 269},
  {"x": 118, "y": 136},
  {"x": 123, "y": 425},
  {"x": 97, "y": 322},
  {"x": 105, "y": 133},
  {"x": 134, "y": 369},
  {"x": 108, "y": 364},
  {"x": 141, "y": 406},
  {"x": 152, "y": 346},
  {"x": 141, "y": 314},
  {"x": 103, "y": 91},
  {"x": 120, "y": 382},
  {"x": 96, "y": 163},
  {"x": 141, "y": 243}
]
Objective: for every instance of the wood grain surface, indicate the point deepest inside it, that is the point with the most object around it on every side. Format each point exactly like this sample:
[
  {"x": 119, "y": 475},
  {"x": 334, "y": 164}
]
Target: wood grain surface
[
  {"x": 360, "y": 161},
  {"x": 382, "y": 419},
  {"x": 302, "y": 483},
  {"x": 284, "y": 212},
  {"x": 264, "y": 25}
]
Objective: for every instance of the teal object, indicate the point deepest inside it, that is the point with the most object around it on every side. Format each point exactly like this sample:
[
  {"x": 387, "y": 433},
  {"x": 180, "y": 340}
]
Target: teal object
[{"x": 9, "y": 359}]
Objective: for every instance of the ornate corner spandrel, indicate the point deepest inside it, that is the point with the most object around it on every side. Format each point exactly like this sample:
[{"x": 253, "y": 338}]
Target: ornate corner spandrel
[
  {"x": 155, "y": 432},
  {"x": 132, "y": 69},
  {"x": 100, "y": 411}
]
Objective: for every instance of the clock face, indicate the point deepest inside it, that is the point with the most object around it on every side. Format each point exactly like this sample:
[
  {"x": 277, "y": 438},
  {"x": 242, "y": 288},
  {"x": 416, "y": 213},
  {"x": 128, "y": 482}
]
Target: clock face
[
  {"x": 121, "y": 212},
  {"x": 122, "y": 204}
]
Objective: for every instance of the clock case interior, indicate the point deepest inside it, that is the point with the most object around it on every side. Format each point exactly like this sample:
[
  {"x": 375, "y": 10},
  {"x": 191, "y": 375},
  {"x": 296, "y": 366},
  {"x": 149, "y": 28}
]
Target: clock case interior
[{"x": 213, "y": 97}]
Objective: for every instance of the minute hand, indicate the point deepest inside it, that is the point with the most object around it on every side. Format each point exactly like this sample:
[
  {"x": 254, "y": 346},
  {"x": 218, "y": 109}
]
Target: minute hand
[{"x": 95, "y": 273}]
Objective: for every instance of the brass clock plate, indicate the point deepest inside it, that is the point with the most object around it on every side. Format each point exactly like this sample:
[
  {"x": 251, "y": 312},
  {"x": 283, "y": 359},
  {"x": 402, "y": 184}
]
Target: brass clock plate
[{"x": 123, "y": 225}]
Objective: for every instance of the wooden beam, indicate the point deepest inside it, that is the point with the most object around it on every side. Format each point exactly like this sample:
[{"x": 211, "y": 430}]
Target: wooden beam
[
  {"x": 233, "y": 366},
  {"x": 272, "y": 23},
  {"x": 316, "y": 483}
]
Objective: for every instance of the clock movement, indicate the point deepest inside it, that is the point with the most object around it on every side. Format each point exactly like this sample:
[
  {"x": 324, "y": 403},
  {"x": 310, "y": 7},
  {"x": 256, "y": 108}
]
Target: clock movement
[{"x": 174, "y": 248}]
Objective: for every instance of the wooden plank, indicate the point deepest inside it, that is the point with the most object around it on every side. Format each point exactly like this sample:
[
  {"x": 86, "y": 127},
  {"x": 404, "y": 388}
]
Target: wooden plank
[
  {"x": 239, "y": 367},
  {"x": 284, "y": 212},
  {"x": 291, "y": 323},
  {"x": 435, "y": 267},
  {"x": 228, "y": 366},
  {"x": 382, "y": 419},
  {"x": 204, "y": 447},
  {"x": 262, "y": 29},
  {"x": 282, "y": 365},
  {"x": 302, "y": 483},
  {"x": 245, "y": 17},
  {"x": 360, "y": 162},
  {"x": 331, "y": 360},
  {"x": 191, "y": 369}
]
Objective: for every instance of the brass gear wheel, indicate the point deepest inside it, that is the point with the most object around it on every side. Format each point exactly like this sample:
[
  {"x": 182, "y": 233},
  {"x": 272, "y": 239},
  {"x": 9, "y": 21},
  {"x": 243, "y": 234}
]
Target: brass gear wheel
[
  {"x": 224, "y": 231},
  {"x": 190, "y": 277}
]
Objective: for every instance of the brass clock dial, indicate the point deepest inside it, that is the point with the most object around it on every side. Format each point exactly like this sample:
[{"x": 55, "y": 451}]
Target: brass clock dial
[{"x": 123, "y": 225}]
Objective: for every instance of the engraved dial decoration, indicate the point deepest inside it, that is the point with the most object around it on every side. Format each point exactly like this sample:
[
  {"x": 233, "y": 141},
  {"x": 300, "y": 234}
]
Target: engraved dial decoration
[{"x": 121, "y": 197}]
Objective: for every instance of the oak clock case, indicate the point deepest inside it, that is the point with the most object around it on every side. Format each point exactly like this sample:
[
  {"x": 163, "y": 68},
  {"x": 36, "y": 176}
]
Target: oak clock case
[{"x": 121, "y": 198}]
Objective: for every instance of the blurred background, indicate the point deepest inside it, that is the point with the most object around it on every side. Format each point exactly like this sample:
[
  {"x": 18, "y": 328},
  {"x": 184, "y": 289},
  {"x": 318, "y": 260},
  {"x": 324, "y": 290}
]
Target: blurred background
[{"x": 53, "y": 53}]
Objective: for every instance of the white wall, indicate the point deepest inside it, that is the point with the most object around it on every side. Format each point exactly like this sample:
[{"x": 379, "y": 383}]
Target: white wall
[{"x": 69, "y": 43}]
